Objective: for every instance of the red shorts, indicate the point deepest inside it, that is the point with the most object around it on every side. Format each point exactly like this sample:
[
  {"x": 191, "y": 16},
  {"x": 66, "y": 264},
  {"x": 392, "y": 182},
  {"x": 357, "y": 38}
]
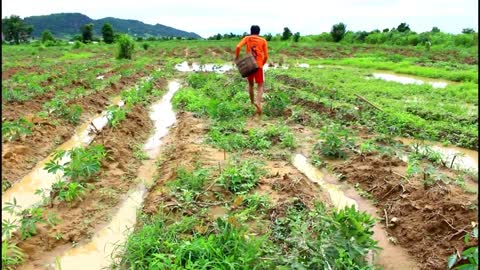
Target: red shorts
[{"x": 258, "y": 76}]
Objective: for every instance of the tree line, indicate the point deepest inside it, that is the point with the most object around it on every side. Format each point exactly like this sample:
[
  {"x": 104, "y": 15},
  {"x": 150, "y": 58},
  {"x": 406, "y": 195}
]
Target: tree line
[{"x": 15, "y": 30}]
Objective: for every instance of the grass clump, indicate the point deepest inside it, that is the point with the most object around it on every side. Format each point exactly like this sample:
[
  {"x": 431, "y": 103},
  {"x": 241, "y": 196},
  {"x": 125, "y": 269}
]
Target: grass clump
[
  {"x": 319, "y": 239},
  {"x": 162, "y": 244}
]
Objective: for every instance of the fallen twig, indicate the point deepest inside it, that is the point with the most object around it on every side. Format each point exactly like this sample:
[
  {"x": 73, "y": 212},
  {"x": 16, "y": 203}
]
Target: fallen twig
[
  {"x": 373, "y": 105},
  {"x": 386, "y": 217}
]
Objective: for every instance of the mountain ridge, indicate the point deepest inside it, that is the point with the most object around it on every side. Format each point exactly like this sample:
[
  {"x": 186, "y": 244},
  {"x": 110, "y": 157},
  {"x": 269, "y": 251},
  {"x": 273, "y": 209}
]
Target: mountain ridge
[{"x": 68, "y": 25}]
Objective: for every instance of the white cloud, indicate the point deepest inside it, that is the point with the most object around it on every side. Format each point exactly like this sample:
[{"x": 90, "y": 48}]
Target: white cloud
[{"x": 305, "y": 16}]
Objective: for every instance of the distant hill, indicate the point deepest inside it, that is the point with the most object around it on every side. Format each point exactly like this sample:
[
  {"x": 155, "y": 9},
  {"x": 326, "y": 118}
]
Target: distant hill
[{"x": 65, "y": 25}]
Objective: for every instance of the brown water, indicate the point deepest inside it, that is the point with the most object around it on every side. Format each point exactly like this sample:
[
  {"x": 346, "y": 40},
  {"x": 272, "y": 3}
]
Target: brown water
[
  {"x": 465, "y": 159},
  {"x": 39, "y": 178},
  {"x": 391, "y": 257},
  {"x": 103, "y": 249}
]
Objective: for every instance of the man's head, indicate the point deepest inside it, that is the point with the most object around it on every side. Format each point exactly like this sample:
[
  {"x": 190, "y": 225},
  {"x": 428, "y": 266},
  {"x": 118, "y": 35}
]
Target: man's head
[{"x": 255, "y": 30}]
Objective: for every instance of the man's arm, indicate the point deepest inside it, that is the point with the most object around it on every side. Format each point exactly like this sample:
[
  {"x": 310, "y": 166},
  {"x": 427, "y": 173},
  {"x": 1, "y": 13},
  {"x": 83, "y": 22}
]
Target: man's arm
[
  {"x": 265, "y": 49},
  {"x": 239, "y": 46}
]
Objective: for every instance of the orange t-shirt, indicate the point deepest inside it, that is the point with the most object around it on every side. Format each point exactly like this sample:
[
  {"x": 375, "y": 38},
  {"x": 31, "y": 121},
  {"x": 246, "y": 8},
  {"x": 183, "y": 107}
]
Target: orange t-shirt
[{"x": 257, "y": 46}]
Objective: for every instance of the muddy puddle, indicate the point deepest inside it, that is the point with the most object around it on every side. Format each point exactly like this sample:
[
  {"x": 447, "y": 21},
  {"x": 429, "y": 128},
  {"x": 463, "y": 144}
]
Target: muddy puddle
[
  {"x": 391, "y": 257},
  {"x": 103, "y": 249},
  {"x": 463, "y": 159},
  {"x": 23, "y": 191},
  {"x": 408, "y": 79},
  {"x": 195, "y": 67}
]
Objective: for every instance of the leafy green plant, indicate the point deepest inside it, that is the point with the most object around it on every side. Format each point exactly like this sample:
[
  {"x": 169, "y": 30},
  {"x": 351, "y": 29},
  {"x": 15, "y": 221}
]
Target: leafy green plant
[
  {"x": 6, "y": 185},
  {"x": 12, "y": 130},
  {"x": 12, "y": 256},
  {"x": 126, "y": 46},
  {"x": 67, "y": 192},
  {"x": 320, "y": 239},
  {"x": 335, "y": 141},
  {"x": 84, "y": 163},
  {"x": 264, "y": 138},
  {"x": 469, "y": 257},
  {"x": 276, "y": 103},
  {"x": 413, "y": 166},
  {"x": 30, "y": 217},
  {"x": 59, "y": 108},
  {"x": 145, "y": 46},
  {"x": 241, "y": 176},
  {"x": 116, "y": 114},
  {"x": 188, "y": 185},
  {"x": 7, "y": 228},
  {"x": 368, "y": 147},
  {"x": 257, "y": 202}
]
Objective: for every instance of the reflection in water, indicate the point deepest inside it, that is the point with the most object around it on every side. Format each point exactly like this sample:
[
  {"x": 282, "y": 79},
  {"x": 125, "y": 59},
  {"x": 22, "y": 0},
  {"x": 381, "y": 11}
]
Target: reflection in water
[
  {"x": 98, "y": 253},
  {"x": 404, "y": 79},
  {"x": 390, "y": 257},
  {"x": 465, "y": 159}
]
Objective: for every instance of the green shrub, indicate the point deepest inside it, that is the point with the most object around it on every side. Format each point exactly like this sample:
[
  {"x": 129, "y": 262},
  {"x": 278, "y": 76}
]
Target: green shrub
[
  {"x": 338, "y": 31},
  {"x": 335, "y": 141},
  {"x": 188, "y": 185},
  {"x": 77, "y": 45},
  {"x": 241, "y": 176},
  {"x": 126, "y": 46},
  {"x": 145, "y": 46},
  {"x": 325, "y": 240},
  {"x": 276, "y": 103},
  {"x": 47, "y": 36},
  {"x": 107, "y": 33},
  {"x": 68, "y": 192},
  {"x": 84, "y": 163},
  {"x": 115, "y": 115},
  {"x": 12, "y": 130}
]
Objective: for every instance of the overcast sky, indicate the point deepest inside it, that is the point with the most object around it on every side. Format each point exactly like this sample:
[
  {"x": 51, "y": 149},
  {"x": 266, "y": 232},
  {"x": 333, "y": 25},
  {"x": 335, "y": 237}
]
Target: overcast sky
[{"x": 207, "y": 18}]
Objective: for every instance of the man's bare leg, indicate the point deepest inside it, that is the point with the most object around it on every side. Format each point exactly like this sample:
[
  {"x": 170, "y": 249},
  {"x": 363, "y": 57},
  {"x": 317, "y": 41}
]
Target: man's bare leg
[
  {"x": 250, "y": 92},
  {"x": 259, "y": 98}
]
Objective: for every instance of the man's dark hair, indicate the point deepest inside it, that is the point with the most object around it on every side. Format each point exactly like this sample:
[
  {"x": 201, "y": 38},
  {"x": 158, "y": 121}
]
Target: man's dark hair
[{"x": 255, "y": 30}]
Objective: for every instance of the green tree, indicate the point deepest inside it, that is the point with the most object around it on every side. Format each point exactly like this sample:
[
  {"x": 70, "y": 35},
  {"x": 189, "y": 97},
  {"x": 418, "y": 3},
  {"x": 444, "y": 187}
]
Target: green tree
[
  {"x": 87, "y": 32},
  {"x": 107, "y": 33},
  {"x": 47, "y": 36},
  {"x": 296, "y": 36},
  {"x": 15, "y": 29},
  {"x": 385, "y": 30},
  {"x": 338, "y": 31},
  {"x": 403, "y": 27},
  {"x": 268, "y": 37},
  {"x": 468, "y": 31},
  {"x": 286, "y": 34},
  {"x": 435, "y": 30}
]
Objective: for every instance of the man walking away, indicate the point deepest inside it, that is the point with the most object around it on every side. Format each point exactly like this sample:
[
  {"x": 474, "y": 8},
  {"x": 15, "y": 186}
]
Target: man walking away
[{"x": 257, "y": 46}]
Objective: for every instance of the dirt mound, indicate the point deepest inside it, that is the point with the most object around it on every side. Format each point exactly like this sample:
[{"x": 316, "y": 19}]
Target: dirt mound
[
  {"x": 7, "y": 74},
  {"x": 46, "y": 136},
  {"x": 181, "y": 149},
  {"x": 431, "y": 222},
  {"x": 117, "y": 176}
]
